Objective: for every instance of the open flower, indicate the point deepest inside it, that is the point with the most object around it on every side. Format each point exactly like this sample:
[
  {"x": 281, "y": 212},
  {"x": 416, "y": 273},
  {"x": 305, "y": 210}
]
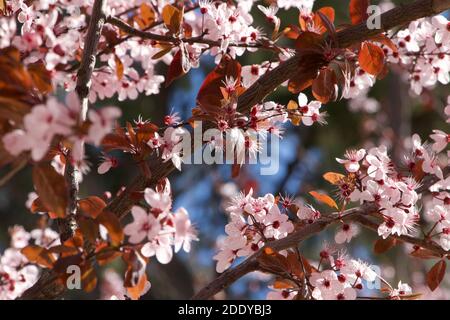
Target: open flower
[
  {"x": 144, "y": 226},
  {"x": 352, "y": 160}
]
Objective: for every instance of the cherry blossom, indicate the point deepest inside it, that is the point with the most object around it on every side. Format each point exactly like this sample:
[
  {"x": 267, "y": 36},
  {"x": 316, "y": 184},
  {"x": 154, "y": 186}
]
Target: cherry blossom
[
  {"x": 346, "y": 233},
  {"x": 107, "y": 163},
  {"x": 53, "y": 115}
]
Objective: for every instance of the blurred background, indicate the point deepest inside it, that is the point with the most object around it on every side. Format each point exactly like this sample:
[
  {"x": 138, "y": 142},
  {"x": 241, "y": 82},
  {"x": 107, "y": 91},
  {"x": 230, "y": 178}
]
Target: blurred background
[{"x": 388, "y": 117}]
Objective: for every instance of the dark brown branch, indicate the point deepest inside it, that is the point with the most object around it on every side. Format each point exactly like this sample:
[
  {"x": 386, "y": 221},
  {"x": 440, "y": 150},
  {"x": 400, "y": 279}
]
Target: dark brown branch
[
  {"x": 89, "y": 55},
  {"x": 122, "y": 25}
]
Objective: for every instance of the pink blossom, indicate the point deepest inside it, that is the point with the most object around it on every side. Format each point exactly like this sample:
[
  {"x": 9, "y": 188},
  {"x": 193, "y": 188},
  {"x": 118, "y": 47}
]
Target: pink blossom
[
  {"x": 184, "y": 231},
  {"x": 352, "y": 160},
  {"x": 144, "y": 226}
]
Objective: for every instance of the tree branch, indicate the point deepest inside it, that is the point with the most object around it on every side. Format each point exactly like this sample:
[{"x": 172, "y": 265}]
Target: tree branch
[
  {"x": 422, "y": 243},
  {"x": 122, "y": 25}
]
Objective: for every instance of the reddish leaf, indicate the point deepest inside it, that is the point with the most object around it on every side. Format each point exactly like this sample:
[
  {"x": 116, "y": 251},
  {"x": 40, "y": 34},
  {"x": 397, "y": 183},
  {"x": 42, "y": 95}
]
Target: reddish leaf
[
  {"x": 436, "y": 275},
  {"x": 210, "y": 95},
  {"x": 51, "y": 188},
  {"x": 383, "y": 245},
  {"x": 172, "y": 18},
  {"x": 107, "y": 255},
  {"x": 92, "y": 206},
  {"x": 329, "y": 26},
  {"x": 41, "y": 77},
  {"x": 235, "y": 170},
  {"x": 88, "y": 277},
  {"x": 146, "y": 131},
  {"x": 38, "y": 206},
  {"x": 135, "y": 292},
  {"x": 358, "y": 10},
  {"x": 324, "y": 87},
  {"x": 89, "y": 228},
  {"x": 165, "y": 50},
  {"x": 371, "y": 58},
  {"x": 323, "y": 198},
  {"x": 62, "y": 264},
  {"x": 14, "y": 78},
  {"x": 113, "y": 141},
  {"x": 77, "y": 241},
  {"x": 136, "y": 265},
  {"x": 333, "y": 177},
  {"x": 424, "y": 254},
  {"x": 39, "y": 255},
  {"x": 292, "y": 32},
  {"x": 64, "y": 250},
  {"x": 384, "y": 40},
  {"x": 179, "y": 66},
  {"x": 283, "y": 284},
  {"x": 131, "y": 133},
  {"x": 112, "y": 224},
  {"x": 273, "y": 263},
  {"x": 294, "y": 114}
]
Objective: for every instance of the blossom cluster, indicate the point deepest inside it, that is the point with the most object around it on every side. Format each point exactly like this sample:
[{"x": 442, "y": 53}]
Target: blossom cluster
[
  {"x": 45, "y": 121},
  {"x": 373, "y": 178},
  {"x": 160, "y": 230},
  {"x": 56, "y": 36},
  {"x": 337, "y": 277},
  {"x": 422, "y": 53},
  {"x": 254, "y": 221},
  {"x": 16, "y": 273},
  {"x": 423, "y": 49}
]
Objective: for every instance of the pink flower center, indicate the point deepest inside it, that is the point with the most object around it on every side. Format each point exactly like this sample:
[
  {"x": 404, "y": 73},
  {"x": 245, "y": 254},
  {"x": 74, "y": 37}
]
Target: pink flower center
[{"x": 146, "y": 227}]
